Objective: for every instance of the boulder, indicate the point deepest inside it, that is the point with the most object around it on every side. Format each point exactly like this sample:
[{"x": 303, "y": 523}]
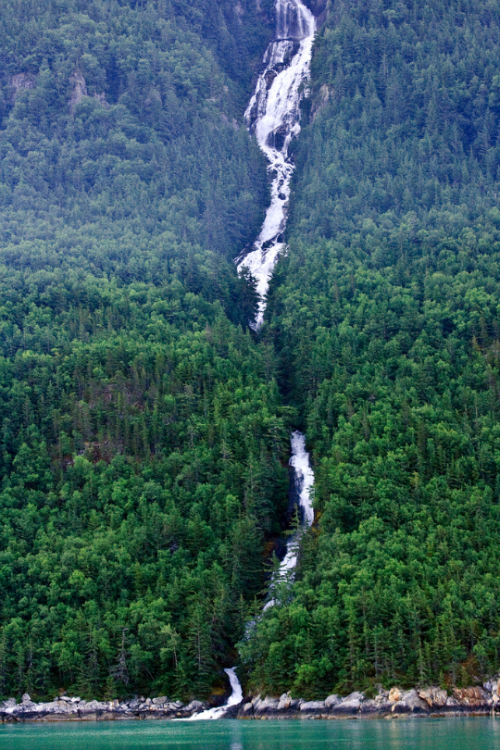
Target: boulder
[
  {"x": 400, "y": 707},
  {"x": 349, "y": 705},
  {"x": 475, "y": 697},
  {"x": 55, "y": 707},
  {"x": 246, "y": 710},
  {"x": 395, "y": 694},
  {"x": 312, "y": 707},
  {"x": 414, "y": 702},
  {"x": 434, "y": 697},
  {"x": 161, "y": 700},
  {"x": 26, "y": 698},
  {"x": 195, "y": 707},
  {"x": 284, "y": 702},
  {"x": 374, "y": 707},
  {"x": 92, "y": 706},
  {"x": 493, "y": 687},
  {"x": 332, "y": 701},
  {"x": 266, "y": 706}
]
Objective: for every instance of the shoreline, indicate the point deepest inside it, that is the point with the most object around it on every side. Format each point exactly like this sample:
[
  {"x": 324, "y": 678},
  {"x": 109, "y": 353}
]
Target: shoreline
[{"x": 431, "y": 702}]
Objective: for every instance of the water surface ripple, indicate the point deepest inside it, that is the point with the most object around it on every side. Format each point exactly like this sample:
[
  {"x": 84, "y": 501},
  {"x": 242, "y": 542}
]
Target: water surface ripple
[{"x": 407, "y": 734}]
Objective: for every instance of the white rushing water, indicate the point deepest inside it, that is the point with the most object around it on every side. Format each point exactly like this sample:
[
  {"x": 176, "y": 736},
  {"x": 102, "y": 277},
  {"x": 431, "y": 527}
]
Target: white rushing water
[
  {"x": 304, "y": 481},
  {"x": 234, "y": 699},
  {"x": 273, "y": 116}
]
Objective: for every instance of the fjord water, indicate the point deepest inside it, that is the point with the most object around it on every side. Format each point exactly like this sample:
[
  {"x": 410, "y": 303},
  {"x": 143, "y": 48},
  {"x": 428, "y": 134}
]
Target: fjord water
[
  {"x": 409, "y": 734},
  {"x": 273, "y": 116}
]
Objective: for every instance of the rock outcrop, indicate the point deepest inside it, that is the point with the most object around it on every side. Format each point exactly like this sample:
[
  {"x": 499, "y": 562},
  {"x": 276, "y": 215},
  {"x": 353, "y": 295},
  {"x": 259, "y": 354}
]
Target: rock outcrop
[
  {"x": 429, "y": 701},
  {"x": 397, "y": 702},
  {"x": 75, "y": 709},
  {"x": 79, "y": 87},
  {"x": 21, "y": 82}
]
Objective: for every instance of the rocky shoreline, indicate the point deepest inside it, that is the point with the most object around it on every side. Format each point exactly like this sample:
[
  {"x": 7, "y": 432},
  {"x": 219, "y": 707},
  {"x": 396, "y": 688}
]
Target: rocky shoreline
[
  {"x": 430, "y": 701},
  {"x": 396, "y": 703},
  {"x": 65, "y": 708}
]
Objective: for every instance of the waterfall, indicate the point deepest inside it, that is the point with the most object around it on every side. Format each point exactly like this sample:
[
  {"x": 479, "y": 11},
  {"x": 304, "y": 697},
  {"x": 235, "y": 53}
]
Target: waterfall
[
  {"x": 304, "y": 481},
  {"x": 273, "y": 116},
  {"x": 235, "y": 699}
]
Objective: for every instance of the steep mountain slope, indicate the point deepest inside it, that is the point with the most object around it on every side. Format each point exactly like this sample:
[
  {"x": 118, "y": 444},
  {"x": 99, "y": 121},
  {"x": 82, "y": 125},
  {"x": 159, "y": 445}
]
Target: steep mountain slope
[
  {"x": 143, "y": 437},
  {"x": 385, "y": 316}
]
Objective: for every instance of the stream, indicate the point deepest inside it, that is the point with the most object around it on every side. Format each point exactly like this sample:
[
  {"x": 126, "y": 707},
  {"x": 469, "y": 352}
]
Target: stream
[{"x": 273, "y": 116}]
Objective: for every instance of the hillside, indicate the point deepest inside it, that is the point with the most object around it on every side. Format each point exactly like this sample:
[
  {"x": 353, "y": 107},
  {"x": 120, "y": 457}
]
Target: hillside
[
  {"x": 143, "y": 436},
  {"x": 385, "y": 318},
  {"x": 145, "y": 428}
]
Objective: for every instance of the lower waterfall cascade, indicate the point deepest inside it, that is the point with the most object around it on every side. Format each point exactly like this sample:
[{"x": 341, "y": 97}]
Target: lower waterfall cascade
[
  {"x": 235, "y": 699},
  {"x": 273, "y": 116},
  {"x": 304, "y": 481}
]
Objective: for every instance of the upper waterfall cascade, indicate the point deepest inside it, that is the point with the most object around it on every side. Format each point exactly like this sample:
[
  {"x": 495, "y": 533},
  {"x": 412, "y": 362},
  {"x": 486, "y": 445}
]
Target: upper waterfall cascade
[{"x": 273, "y": 115}]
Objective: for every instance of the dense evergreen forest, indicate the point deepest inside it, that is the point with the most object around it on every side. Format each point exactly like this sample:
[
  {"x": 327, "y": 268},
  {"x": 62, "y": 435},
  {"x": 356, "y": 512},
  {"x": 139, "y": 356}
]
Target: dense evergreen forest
[
  {"x": 143, "y": 442},
  {"x": 145, "y": 429},
  {"x": 385, "y": 318}
]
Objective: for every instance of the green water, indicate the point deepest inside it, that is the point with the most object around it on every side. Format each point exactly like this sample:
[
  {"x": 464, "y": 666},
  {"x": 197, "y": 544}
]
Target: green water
[{"x": 410, "y": 734}]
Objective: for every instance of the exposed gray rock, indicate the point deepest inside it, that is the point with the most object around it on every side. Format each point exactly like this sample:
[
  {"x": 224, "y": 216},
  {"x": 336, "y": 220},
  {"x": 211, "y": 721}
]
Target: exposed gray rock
[
  {"x": 474, "y": 697},
  {"x": 196, "y": 707},
  {"x": 434, "y": 697},
  {"x": 395, "y": 694},
  {"x": 94, "y": 706},
  {"x": 332, "y": 701},
  {"x": 424, "y": 700},
  {"x": 400, "y": 707},
  {"x": 354, "y": 697},
  {"x": 79, "y": 90},
  {"x": 374, "y": 707},
  {"x": 349, "y": 705},
  {"x": 160, "y": 700},
  {"x": 246, "y": 710},
  {"x": 22, "y": 82},
  {"x": 313, "y": 707},
  {"x": 265, "y": 706},
  {"x": 101, "y": 98},
  {"x": 414, "y": 702},
  {"x": 285, "y": 702}
]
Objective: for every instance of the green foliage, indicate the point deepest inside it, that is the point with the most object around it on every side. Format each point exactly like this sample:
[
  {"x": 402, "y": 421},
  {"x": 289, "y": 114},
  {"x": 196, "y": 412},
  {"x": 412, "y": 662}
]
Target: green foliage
[
  {"x": 121, "y": 127},
  {"x": 385, "y": 316},
  {"x": 142, "y": 472},
  {"x": 143, "y": 440}
]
